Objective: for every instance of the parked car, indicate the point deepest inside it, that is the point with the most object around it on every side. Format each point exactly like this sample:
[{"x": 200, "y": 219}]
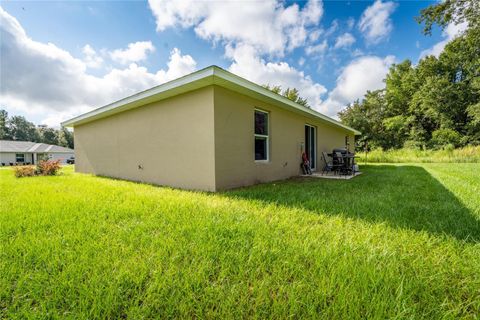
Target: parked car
[{"x": 71, "y": 160}]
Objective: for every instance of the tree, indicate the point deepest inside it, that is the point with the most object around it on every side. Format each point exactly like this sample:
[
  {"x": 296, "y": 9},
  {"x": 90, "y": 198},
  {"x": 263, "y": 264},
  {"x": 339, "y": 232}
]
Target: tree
[
  {"x": 400, "y": 85},
  {"x": 48, "y": 135},
  {"x": 435, "y": 103},
  {"x": 448, "y": 12},
  {"x": 367, "y": 117},
  {"x": 21, "y": 129},
  {"x": 291, "y": 94},
  {"x": 65, "y": 138},
  {"x": 4, "y": 132},
  {"x": 18, "y": 128}
]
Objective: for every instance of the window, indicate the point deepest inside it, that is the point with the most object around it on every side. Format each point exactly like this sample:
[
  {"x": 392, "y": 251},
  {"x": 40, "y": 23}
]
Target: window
[
  {"x": 261, "y": 135},
  {"x": 20, "y": 157}
]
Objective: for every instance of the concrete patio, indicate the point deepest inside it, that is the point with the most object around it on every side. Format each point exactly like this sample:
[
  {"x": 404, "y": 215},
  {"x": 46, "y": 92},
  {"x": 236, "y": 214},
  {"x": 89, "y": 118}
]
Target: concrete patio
[{"x": 331, "y": 175}]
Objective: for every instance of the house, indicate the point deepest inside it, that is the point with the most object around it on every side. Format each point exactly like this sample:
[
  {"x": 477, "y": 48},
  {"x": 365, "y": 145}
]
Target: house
[
  {"x": 209, "y": 130},
  {"x": 26, "y": 152}
]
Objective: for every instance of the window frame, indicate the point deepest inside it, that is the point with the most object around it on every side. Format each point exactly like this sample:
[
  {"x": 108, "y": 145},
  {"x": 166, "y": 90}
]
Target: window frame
[
  {"x": 20, "y": 154},
  {"x": 263, "y": 136}
]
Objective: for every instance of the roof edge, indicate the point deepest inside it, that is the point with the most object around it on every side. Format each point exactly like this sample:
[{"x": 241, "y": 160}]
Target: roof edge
[
  {"x": 189, "y": 78},
  {"x": 264, "y": 91},
  {"x": 212, "y": 71}
]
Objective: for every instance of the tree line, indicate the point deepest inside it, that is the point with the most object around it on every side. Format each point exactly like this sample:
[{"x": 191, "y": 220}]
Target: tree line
[
  {"x": 20, "y": 129},
  {"x": 289, "y": 93},
  {"x": 434, "y": 104}
]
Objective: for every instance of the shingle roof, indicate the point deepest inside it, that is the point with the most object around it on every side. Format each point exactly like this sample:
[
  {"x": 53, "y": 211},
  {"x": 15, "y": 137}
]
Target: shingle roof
[{"x": 27, "y": 146}]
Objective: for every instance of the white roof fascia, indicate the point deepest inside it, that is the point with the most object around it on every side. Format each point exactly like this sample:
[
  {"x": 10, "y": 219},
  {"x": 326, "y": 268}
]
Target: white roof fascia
[
  {"x": 95, "y": 114},
  {"x": 222, "y": 74},
  {"x": 201, "y": 78}
]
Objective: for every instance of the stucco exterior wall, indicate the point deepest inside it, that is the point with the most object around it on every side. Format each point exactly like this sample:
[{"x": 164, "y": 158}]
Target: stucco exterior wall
[
  {"x": 234, "y": 141},
  {"x": 170, "y": 142}
]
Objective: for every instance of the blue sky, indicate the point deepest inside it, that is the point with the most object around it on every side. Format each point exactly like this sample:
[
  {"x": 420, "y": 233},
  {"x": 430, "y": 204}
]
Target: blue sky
[{"x": 60, "y": 59}]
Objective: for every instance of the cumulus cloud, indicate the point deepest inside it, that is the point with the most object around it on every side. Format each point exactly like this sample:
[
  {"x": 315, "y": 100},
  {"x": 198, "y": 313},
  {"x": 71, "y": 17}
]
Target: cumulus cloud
[
  {"x": 47, "y": 82},
  {"x": 345, "y": 40},
  {"x": 314, "y": 35},
  {"x": 252, "y": 30},
  {"x": 269, "y": 26},
  {"x": 249, "y": 65},
  {"x": 375, "y": 22},
  {"x": 91, "y": 58},
  {"x": 362, "y": 74},
  {"x": 451, "y": 32},
  {"x": 135, "y": 52},
  {"x": 317, "y": 49}
]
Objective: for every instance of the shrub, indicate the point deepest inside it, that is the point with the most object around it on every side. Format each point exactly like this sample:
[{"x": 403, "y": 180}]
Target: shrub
[
  {"x": 48, "y": 167},
  {"x": 24, "y": 171},
  {"x": 449, "y": 147},
  {"x": 442, "y": 137},
  {"x": 412, "y": 145}
]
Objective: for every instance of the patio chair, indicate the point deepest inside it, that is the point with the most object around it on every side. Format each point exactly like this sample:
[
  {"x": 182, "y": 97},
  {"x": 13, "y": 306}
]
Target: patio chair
[
  {"x": 329, "y": 167},
  {"x": 3, "y": 164},
  {"x": 340, "y": 163}
]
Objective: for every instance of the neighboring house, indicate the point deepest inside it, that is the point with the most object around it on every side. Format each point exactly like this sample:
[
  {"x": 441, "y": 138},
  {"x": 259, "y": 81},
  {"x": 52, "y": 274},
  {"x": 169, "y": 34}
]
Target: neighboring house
[
  {"x": 209, "y": 130},
  {"x": 25, "y": 152}
]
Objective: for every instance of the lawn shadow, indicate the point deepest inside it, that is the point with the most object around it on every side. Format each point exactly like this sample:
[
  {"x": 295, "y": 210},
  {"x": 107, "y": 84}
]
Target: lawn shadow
[{"x": 401, "y": 196}]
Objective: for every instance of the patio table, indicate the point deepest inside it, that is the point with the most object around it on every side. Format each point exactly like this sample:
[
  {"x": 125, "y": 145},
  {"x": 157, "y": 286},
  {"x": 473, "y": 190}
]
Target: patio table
[{"x": 349, "y": 161}]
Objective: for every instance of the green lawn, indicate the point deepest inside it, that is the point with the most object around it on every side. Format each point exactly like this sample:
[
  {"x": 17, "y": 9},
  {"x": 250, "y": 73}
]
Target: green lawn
[{"x": 399, "y": 241}]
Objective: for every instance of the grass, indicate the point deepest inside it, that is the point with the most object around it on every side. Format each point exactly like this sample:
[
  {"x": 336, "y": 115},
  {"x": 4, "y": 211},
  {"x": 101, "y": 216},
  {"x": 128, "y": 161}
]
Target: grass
[
  {"x": 470, "y": 154},
  {"x": 399, "y": 241}
]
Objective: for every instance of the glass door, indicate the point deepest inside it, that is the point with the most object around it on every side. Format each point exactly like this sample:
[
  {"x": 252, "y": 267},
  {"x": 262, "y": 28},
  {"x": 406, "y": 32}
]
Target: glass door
[{"x": 311, "y": 145}]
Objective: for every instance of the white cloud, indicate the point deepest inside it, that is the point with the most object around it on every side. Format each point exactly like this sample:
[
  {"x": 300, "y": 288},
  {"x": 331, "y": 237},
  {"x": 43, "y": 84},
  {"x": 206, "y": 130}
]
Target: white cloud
[
  {"x": 362, "y": 74},
  {"x": 314, "y": 35},
  {"x": 178, "y": 65},
  {"x": 301, "y": 61},
  {"x": 345, "y": 40},
  {"x": 268, "y": 25},
  {"x": 317, "y": 49},
  {"x": 350, "y": 23},
  {"x": 251, "y": 30},
  {"x": 375, "y": 22},
  {"x": 134, "y": 53},
  {"x": 47, "y": 83},
  {"x": 451, "y": 32},
  {"x": 333, "y": 27},
  {"x": 91, "y": 58},
  {"x": 248, "y": 64}
]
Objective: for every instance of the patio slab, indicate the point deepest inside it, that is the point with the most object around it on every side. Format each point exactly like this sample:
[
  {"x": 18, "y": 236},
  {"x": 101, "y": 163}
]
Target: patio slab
[{"x": 329, "y": 175}]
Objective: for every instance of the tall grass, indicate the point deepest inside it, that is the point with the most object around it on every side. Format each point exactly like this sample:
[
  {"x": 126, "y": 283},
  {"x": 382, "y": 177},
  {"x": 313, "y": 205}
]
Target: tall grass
[
  {"x": 397, "y": 242},
  {"x": 469, "y": 154}
]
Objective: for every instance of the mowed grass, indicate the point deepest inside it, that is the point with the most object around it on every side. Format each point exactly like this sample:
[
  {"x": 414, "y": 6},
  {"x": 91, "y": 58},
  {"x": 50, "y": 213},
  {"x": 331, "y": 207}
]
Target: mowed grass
[{"x": 399, "y": 241}]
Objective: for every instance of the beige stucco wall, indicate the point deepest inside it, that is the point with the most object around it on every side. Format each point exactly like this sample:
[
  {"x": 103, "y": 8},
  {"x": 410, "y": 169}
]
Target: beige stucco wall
[
  {"x": 172, "y": 140},
  {"x": 199, "y": 140},
  {"x": 234, "y": 141}
]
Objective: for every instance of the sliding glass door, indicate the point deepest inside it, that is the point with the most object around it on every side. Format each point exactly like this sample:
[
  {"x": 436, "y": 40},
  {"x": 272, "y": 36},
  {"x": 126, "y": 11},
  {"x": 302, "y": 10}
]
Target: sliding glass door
[{"x": 311, "y": 145}]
